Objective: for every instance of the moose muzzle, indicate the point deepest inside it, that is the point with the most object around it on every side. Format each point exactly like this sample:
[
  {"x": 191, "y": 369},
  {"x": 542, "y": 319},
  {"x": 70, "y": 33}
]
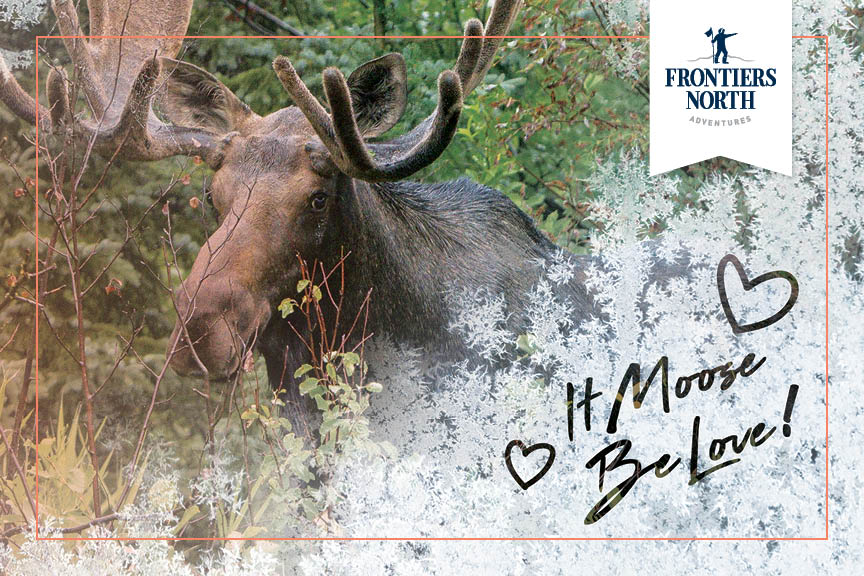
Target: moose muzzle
[{"x": 216, "y": 326}]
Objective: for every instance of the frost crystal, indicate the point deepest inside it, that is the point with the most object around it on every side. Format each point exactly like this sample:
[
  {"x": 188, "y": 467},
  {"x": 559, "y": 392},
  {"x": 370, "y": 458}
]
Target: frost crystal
[{"x": 22, "y": 13}]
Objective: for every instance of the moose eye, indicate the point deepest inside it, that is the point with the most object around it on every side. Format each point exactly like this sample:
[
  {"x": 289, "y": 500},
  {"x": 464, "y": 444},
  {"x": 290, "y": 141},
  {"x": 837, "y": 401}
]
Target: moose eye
[{"x": 318, "y": 201}]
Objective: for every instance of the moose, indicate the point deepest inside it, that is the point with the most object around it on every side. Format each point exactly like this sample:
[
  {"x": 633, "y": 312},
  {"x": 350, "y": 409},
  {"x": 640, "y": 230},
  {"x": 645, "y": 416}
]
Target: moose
[{"x": 303, "y": 180}]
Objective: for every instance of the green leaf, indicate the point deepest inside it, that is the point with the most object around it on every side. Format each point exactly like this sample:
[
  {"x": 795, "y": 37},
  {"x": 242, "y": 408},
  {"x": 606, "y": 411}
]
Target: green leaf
[
  {"x": 249, "y": 414},
  {"x": 322, "y": 403},
  {"x": 526, "y": 343},
  {"x": 331, "y": 372},
  {"x": 188, "y": 515},
  {"x": 374, "y": 387},
  {"x": 349, "y": 361},
  {"x": 301, "y": 285},
  {"x": 592, "y": 81},
  {"x": 310, "y": 510},
  {"x": 303, "y": 370},
  {"x": 253, "y": 531},
  {"x": 308, "y": 385},
  {"x": 286, "y": 307},
  {"x": 318, "y": 391},
  {"x": 330, "y": 425}
]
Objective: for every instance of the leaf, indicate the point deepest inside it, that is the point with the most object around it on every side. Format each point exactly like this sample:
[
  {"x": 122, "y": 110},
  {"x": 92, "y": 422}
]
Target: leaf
[
  {"x": 76, "y": 480},
  {"x": 286, "y": 307},
  {"x": 308, "y": 385},
  {"x": 310, "y": 510},
  {"x": 188, "y": 515},
  {"x": 322, "y": 403},
  {"x": 374, "y": 387},
  {"x": 526, "y": 343},
  {"x": 592, "y": 81},
  {"x": 303, "y": 370},
  {"x": 330, "y": 425},
  {"x": 349, "y": 361},
  {"x": 253, "y": 531},
  {"x": 301, "y": 285},
  {"x": 331, "y": 373}
]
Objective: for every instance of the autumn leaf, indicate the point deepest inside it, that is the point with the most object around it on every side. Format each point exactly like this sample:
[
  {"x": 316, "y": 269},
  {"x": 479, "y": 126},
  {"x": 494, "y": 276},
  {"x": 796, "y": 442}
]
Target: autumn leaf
[{"x": 113, "y": 286}]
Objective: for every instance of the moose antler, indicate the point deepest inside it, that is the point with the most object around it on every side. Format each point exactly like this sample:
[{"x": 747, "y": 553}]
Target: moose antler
[
  {"x": 421, "y": 146},
  {"x": 117, "y": 69}
]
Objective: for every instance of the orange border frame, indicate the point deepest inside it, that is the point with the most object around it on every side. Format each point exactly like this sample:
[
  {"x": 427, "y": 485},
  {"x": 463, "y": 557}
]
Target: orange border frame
[{"x": 418, "y": 539}]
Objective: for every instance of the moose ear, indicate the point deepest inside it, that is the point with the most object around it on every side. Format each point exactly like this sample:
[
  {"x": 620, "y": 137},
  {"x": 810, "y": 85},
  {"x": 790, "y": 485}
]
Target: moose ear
[
  {"x": 194, "y": 98},
  {"x": 379, "y": 91}
]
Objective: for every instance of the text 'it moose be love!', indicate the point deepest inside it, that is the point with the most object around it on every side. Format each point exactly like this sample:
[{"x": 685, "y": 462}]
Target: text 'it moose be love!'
[{"x": 722, "y": 452}]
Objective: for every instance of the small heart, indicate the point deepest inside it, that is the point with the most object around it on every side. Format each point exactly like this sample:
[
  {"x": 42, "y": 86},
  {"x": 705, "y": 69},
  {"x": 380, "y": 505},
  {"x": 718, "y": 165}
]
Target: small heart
[
  {"x": 749, "y": 285},
  {"x": 526, "y": 450}
]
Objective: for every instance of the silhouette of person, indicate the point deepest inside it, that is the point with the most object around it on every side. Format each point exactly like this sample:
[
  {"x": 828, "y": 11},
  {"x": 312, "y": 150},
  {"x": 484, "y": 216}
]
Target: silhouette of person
[{"x": 720, "y": 39}]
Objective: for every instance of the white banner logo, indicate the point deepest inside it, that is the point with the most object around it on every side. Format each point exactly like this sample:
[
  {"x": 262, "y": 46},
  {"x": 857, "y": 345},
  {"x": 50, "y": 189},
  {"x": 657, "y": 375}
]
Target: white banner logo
[{"x": 721, "y": 83}]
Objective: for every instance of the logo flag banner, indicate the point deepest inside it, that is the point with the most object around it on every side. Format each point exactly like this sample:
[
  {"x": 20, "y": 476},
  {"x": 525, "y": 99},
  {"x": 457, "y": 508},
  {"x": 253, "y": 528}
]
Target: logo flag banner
[{"x": 721, "y": 83}]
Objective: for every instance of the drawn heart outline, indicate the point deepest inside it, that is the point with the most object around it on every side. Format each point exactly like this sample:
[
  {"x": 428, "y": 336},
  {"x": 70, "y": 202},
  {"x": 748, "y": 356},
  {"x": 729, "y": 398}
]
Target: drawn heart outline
[
  {"x": 526, "y": 450},
  {"x": 749, "y": 285}
]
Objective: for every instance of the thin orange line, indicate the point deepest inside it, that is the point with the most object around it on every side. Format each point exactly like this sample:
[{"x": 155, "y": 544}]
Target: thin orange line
[{"x": 409, "y": 539}]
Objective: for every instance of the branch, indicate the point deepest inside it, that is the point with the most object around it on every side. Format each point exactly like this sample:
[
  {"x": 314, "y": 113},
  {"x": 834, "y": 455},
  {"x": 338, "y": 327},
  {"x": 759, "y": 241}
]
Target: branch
[{"x": 248, "y": 8}]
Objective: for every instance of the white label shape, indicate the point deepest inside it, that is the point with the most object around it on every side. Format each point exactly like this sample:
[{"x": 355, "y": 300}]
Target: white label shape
[{"x": 721, "y": 83}]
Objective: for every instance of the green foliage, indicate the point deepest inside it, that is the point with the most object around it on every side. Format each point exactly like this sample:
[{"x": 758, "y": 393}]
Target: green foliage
[{"x": 65, "y": 475}]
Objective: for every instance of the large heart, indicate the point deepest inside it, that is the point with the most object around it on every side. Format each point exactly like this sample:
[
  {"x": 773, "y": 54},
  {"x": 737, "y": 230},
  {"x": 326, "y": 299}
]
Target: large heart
[
  {"x": 526, "y": 450},
  {"x": 749, "y": 285}
]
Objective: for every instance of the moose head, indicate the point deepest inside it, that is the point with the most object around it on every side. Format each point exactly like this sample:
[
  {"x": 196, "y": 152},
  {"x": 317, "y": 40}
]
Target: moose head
[{"x": 302, "y": 180}]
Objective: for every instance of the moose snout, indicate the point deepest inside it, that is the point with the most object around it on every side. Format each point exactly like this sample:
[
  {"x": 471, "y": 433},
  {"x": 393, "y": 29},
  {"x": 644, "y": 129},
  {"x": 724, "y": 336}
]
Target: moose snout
[{"x": 216, "y": 324}]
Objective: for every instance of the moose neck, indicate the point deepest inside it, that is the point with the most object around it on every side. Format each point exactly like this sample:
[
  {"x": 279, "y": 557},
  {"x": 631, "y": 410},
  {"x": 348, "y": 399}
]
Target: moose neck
[{"x": 421, "y": 246}]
